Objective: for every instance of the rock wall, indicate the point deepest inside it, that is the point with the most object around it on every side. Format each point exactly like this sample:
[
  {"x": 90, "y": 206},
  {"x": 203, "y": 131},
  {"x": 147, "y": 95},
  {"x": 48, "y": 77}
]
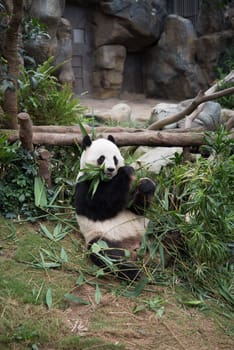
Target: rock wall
[{"x": 176, "y": 59}]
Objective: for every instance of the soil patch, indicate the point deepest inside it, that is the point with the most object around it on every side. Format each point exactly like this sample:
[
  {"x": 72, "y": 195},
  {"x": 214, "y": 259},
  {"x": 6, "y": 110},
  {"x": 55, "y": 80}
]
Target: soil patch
[{"x": 114, "y": 320}]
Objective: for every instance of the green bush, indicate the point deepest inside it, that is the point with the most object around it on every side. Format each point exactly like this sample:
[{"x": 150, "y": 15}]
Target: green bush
[
  {"x": 198, "y": 201},
  {"x": 17, "y": 172},
  {"x": 47, "y": 102}
]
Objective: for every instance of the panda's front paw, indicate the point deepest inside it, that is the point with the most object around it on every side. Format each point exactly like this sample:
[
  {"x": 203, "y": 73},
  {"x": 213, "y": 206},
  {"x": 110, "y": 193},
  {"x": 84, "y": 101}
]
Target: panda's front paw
[
  {"x": 127, "y": 170},
  {"x": 146, "y": 186}
]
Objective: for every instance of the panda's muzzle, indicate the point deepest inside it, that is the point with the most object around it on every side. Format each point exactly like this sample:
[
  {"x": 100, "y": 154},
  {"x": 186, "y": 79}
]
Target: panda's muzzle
[{"x": 109, "y": 171}]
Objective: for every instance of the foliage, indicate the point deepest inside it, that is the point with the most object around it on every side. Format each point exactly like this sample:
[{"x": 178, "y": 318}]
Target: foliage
[
  {"x": 23, "y": 193},
  {"x": 18, "y": 169},
  {"x": 6, "y": 81},
  {"x": 47, "y": 102},
  {"x": 198, "y": 201},
  {"x": 225, "y": 66},
  {"x": 94, "y": 174},
  {"x": 33, "y": 29},
  {"x": 226, "y": 101}
]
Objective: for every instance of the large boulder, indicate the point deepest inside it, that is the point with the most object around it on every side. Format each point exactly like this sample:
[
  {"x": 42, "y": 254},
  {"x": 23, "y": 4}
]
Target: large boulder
[
  {"x": 64, "y": 52},
  {"x": 170, "y": 69},
  {"x": 208, "y": 118},
  {"x": 209, "y": 50},
  {"x": 108, "y": 70},
  {"x": 210, "y": 18},
  {"x": 134, "y": 24},
  {"x": 153, "y": 159},
  {"x": 164, "y": 110}
]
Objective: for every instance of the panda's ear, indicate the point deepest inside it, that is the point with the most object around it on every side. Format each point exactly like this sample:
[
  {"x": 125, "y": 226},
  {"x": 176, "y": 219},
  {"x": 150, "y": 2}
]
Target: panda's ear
[
  {"x": 86, "y": 142},
  {"x": 111, "y": 138}
]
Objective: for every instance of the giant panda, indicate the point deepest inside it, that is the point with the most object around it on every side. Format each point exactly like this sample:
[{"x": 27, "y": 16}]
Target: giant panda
[{"x": 114, "y": 214}]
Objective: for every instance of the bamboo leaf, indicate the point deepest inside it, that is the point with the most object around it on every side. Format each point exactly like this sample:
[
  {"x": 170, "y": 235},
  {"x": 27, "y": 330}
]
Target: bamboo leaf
[
  {"x": 63, "y": 255},
  {"x": 139, "y": 308},
  {"x": 75, "y": 299},
  {"x": 40, "y": 192},
  {"x": 46, "y": 232},
  {"x": 97, "y": 294},
  {"x": 160, "y": 312},
  {"x": 49, "y": 299},
  {"x": 82, "y": 129}
]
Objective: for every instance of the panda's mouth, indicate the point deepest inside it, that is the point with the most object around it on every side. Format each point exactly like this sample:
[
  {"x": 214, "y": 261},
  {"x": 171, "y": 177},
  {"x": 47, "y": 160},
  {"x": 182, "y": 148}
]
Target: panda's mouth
[{"x": 110, "y": 175}]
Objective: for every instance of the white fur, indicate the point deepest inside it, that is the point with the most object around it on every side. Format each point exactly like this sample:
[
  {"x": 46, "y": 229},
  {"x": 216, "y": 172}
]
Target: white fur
[
  {"x": 98, "y": 148},
  {"x": 124, "y": 225}
]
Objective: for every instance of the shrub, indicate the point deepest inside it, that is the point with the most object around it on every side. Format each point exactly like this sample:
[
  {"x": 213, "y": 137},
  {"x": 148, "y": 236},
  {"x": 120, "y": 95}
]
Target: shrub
[
  {"x": 198, "y": 201},
  {"x": 47, "y": 102},
  {"x": 17, "y": 172}
]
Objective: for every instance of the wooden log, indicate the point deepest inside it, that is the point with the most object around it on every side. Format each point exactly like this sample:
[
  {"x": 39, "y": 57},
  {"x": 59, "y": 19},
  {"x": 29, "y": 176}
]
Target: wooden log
[
  {"x": 145, "y": 138},
  {"x": 25, "y": 131},
  {"x": 76, "y": 129}
]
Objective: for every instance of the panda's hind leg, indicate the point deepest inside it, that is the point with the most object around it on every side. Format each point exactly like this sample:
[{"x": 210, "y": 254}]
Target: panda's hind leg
[
  {"x": 141, "y": 197},
  {"x": 113, "y": 259}
]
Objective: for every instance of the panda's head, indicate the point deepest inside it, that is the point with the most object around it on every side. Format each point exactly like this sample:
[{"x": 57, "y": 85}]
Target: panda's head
[{"x": 101, "y": 152}]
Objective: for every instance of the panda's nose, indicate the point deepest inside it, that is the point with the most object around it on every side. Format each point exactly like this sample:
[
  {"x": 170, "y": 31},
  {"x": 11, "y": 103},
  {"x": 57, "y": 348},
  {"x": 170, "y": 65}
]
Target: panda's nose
[{"x": 110, "y": 170}]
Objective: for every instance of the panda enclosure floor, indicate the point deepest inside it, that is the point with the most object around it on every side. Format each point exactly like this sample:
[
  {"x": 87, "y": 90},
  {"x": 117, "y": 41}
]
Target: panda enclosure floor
[{"x": 140, "y": 105}]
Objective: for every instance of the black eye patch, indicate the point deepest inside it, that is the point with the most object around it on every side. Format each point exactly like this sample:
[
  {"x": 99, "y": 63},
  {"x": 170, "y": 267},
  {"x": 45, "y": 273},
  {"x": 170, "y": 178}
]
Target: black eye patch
[
  {"x": 115, "y": 160},
  {"x": 100, "y": 160}
]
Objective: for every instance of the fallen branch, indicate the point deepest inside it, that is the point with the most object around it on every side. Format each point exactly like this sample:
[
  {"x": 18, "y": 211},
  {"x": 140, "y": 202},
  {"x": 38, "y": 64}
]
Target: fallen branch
[{"x": 200, "y": 98}]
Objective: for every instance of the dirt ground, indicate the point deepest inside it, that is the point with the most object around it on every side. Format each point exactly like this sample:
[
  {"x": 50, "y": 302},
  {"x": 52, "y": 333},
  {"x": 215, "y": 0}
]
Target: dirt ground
[
  {"x": 141, "y": 106},
  {"x": 113, "y": 320}
]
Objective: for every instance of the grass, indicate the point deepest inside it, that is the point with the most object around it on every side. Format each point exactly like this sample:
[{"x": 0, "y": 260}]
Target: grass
[{"x": 31, "y": 318}]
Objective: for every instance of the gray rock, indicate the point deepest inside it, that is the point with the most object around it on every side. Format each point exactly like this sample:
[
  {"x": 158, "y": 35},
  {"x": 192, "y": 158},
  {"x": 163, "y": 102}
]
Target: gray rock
[
  {"x": 156, "y": 158},
  {"x": 209, "y": 117},
  {"x": 64, "y": 52},
  {"x": 108, "y": 70},
  {"x": 163, "y": 110},
  {"x": 170, "y": 67},
  {"x": 134, "y": 24},
  {"x": 121, "y": 112}
]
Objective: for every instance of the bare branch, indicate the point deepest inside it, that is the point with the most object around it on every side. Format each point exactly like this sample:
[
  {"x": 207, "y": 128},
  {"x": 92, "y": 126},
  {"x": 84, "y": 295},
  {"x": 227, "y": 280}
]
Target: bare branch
[{"x": 200, "y": 98}]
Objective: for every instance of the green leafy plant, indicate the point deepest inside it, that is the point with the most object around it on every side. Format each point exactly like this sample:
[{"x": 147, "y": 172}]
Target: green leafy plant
[
  {"x": 94, "y": 174},
  {"x": 58, "y": 233},
  {"x": 6, "y": 81},
  {"x": 197, "y": 201},
  {"x": 226, "y": 101},
  {"x": 49, "y": 259},
  {"x": 47, "y": 102},
  {"x": 18, "y": 170},
  {"x": 33, "y": 29}
]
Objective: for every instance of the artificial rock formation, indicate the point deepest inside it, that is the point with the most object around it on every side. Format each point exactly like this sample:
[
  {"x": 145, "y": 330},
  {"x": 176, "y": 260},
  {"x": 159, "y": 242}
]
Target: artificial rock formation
[
  {"x": 172, "y": 58},
  {"x": 170, "y": 68}
]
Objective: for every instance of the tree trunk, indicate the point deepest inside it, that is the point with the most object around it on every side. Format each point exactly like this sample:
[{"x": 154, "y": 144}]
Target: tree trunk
[{"x": 11, "y": 55}]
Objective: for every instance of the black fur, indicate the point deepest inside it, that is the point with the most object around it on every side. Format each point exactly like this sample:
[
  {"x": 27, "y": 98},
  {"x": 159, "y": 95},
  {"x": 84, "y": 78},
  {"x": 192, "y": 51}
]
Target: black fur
[
  {"x": 111, "y": 138},
  {"x": 109, "y": 199},
  {"x": 141, "y": 198},
  {"x": 86, "y": 142},
  {"x": 124, "y": 270}
]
